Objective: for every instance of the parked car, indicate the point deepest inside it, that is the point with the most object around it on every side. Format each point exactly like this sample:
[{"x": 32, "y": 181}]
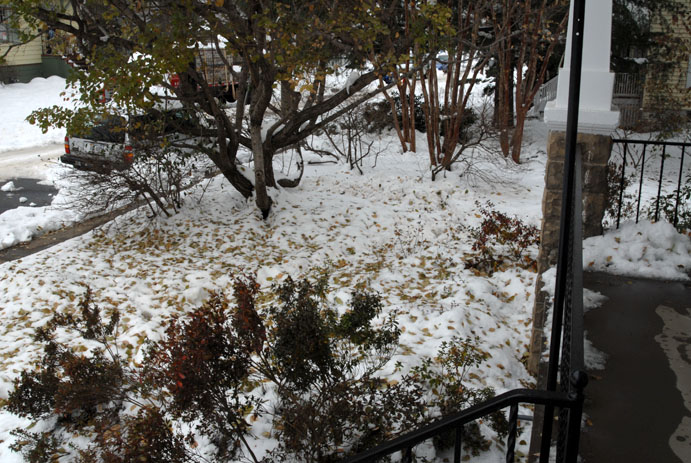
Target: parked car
[
  {"x": 114, "y": 142},
  {"x": 443, "y": 62}
]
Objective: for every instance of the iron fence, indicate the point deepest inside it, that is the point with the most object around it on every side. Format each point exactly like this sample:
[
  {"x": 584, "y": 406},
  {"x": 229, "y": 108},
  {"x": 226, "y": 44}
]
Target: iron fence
[
  {"x": 627, "y": 85},
  {"x": 455, "y": 423},
  {"x": 676, "y": 196}
]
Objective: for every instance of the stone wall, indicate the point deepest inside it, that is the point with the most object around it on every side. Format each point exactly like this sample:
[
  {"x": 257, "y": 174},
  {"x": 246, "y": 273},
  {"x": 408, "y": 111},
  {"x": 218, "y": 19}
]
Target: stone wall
[{"x": 595, "y": 150}]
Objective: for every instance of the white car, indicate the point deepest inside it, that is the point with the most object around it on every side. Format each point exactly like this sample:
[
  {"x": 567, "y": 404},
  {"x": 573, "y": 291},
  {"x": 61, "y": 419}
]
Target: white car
[{"x": 115, "y": 142}]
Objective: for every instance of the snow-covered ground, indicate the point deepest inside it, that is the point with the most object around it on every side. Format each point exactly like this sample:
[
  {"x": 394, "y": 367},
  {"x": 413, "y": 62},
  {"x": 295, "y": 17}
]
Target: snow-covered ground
[
  {"x": 391, "y": 229},
  {"x": 24, "y": 223},
  {"x": 31, "y": 162},
  {"x": 25, "y": 151},
  {"x": 20, "y": 100}
]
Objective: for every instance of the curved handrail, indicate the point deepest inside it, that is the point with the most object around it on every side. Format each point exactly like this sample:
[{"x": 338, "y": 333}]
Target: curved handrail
[{"x": 507, "y": 399}]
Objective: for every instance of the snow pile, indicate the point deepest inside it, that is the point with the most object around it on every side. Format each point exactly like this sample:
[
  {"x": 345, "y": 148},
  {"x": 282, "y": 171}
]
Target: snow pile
[
  {"x": 9, "y": 186},
  {"x": 649, "y": 250},
  {"x": 352, "y": 78},
  {"x": 18, "y": 101},
  {"x": 24, "y": 223}
]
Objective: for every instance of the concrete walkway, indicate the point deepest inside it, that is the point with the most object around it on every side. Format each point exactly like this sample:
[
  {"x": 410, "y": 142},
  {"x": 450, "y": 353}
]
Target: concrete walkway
[{"x": 639, "y": 406}]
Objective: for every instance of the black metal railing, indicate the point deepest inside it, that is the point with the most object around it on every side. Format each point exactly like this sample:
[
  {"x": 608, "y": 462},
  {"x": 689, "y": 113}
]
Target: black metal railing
[
  {"x": 567, "y": 375},
  {"x": 645, "y": 144},
  {"x": 454, "y": 423}
]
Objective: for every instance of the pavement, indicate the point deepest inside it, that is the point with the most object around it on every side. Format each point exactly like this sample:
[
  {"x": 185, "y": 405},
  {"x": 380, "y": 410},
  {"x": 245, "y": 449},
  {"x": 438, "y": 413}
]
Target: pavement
[
  {"x": 28, "y": 162},
  {"x": 27, "y": 192},
  {"x": 26, "y": 168},
  {"x": 638, "y": 408}
]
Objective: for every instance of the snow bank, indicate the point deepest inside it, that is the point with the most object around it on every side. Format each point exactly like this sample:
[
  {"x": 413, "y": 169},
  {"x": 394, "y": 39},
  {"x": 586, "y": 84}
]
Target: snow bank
[
  {"x": 649, "y": 250},
  {"x": 18, "y": 101},
  {"x": 9, "y": 186},
  {"x": 23, "y": 223}
]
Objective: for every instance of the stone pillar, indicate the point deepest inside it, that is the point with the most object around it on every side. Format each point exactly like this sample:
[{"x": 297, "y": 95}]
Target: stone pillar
[
  {"x": 596, "y": 121},
  {"x": 595, "y": 151}
]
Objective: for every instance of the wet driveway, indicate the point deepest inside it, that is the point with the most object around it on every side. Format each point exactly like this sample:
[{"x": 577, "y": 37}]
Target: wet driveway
[
  {"x": 639, "y": 406},
  {"x": 25, "y": 192}
]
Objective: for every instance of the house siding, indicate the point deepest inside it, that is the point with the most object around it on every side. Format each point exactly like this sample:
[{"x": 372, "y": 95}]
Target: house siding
[
  {"x": 668, "y": 88},
  {"x": 29, "y": 53}
]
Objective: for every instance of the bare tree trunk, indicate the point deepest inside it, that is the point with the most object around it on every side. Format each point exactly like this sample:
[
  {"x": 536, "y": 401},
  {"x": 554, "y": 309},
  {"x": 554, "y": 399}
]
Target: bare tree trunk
[
  {"x": 262, "y": 197},
  {"x": 529, "y": 49},
  {"x": 411, "y": 116},
  {"x": 235, "y": 177},
  {"x": 517, "y": 139},
  {"x": 396, "y": 123},
  {"x": 263, "y": 168},
  {"x": 290, "y": 99}
]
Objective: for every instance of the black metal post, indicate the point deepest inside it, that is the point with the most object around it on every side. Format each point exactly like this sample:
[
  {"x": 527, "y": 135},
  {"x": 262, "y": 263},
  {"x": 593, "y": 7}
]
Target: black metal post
[
  {"x": 681, "y": 170},
  {"x": 659, "y": 185},
  {"x": 458, "y": 445},
  {"x": 621, "y": 185},
  {"x": 566, "y": 216},
  {"x": 408, "y": 455},
  {"x": 640, "y": 184},
  {"x": 579, "y": 380},
  {"x": 513, "y": 430}
]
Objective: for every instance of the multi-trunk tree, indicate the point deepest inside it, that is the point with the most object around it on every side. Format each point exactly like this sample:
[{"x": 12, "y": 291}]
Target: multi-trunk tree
[
  {"x": 449, "y": 107},
  {"x": 527, "y": 33},
  {"x": 134, "y": 46}
]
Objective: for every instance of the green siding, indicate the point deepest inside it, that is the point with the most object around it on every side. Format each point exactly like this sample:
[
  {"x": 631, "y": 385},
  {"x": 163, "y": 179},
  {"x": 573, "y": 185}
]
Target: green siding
[
  {"x": 55, "y": 66},
  {"x": 50, "y": 66},
  {"x": 23, "y": 73}
]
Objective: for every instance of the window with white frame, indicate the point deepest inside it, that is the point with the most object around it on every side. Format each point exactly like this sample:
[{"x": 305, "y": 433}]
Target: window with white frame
[{"x": 7, "y": 33}]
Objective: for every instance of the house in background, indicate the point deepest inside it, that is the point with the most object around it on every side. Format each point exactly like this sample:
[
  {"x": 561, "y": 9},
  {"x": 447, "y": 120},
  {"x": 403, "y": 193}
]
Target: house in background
[
  {"x": 655, "y": 92},
  {"x": 668, "y": 87},
  {"x": 25, "y": 61}
]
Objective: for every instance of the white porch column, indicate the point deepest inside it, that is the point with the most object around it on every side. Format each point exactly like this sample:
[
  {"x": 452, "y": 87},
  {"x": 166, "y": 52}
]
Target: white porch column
[
  {"x": 596, "y": 122},
  {"x": 596, "y": 115}
]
